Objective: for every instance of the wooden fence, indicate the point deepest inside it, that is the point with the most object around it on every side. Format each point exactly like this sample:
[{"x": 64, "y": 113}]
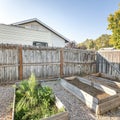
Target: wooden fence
[
  {"x": 78, "y": 61},
  {"x": 18, "y": 62},
  {"x": 109, "y": 62}
]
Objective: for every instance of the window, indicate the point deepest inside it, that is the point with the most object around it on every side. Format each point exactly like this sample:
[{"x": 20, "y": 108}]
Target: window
[{"x": 41, "y": 44}]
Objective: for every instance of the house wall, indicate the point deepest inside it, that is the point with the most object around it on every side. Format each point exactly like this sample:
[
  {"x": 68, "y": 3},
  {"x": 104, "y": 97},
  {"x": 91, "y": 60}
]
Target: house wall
[
  {"x": 27, "y": 33},
  {"x": 56, "y": 41},
  {"x": 34, "y": 26},
  {"x": 16, "y": 35}
]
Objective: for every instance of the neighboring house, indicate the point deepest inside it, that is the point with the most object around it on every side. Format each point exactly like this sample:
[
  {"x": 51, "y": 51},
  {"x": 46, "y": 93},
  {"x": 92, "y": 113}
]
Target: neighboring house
[{"x": 31, "y": 32}]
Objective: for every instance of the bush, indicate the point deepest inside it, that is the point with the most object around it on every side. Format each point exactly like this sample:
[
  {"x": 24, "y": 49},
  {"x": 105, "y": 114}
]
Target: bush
[{"x": 34, "y": 101}]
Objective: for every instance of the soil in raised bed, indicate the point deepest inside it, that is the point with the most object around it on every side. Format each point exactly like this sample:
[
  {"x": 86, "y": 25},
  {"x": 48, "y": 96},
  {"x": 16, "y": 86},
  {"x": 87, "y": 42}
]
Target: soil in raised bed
[
  {"x": 108, "y": 78},
  {"x": 104, "y": 81},
  {"x": 89, "y": 89},
  {"x": 113, "y": 85}
]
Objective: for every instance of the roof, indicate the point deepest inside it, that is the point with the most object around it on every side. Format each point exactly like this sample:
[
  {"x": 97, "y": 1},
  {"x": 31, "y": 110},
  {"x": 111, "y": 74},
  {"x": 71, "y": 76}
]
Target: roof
[{"x": 43, "y": 24}]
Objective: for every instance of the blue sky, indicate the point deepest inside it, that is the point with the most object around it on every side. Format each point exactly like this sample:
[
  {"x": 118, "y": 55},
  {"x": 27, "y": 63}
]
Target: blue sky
[{"x": 75, "y": 19}]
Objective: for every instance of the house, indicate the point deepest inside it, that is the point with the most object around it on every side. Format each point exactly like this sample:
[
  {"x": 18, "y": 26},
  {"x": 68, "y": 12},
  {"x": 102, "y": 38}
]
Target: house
[{"x": 31, "y": 32}]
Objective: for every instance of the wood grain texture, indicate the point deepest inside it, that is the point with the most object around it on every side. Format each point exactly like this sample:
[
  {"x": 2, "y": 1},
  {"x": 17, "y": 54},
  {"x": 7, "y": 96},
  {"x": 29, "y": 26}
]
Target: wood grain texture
[
  {"x": 109, "y": 62},
  {"x": 18, "y": 62},
  {"x": 99, "y": 106}
]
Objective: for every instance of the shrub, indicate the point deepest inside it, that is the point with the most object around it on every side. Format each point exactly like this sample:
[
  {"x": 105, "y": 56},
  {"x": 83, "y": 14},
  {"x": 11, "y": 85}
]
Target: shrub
[{"x": 34, "y": 101}]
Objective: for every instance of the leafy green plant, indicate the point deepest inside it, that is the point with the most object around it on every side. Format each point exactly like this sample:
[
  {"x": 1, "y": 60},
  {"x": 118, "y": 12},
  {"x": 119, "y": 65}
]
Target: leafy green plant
[{"x": 34, "y": 101}]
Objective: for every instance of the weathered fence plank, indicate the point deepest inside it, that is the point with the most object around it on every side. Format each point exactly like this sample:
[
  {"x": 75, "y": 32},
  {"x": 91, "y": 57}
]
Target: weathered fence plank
[
  {"x": 43, "y": 63},
  {"x": 78, "y": 61},
  {"x": 113, "y": 56},
  {"x": 109, "y": 62},
  {"x": 8, "y": 63},
  {"x": 61, "y": 62},
  {"x": 18, "y": 62}
]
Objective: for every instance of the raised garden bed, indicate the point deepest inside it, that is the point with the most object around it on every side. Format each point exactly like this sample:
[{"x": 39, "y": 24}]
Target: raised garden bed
[
  {"x": 62, "y": 113},
  {"x": 59, "y": 116},
  {"x": 97, "y": 97},
  {"x": 107, "y": 76},
  {"x": 106, "y": 80}
]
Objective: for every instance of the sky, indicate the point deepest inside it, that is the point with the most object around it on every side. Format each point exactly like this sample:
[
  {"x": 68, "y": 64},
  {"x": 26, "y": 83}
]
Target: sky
[{"x": 77, "y": 20}]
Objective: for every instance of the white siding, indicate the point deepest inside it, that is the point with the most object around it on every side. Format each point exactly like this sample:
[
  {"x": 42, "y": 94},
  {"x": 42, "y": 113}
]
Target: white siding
[
  {"x": 26, "y": 33},
  {"x": 17, "y": 35},
  {"x": 35, "y": 26},
  {"x": 57, "y": 41}
]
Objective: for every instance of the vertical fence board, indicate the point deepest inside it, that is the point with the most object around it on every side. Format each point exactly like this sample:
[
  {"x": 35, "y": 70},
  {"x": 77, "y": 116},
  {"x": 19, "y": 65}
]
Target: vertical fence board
[
  {"x": 61, "y": 62},
  {"x": 79, "y": 61},
  {"x": 109, "y": 62},
  {"x": 18, "y": 62}
]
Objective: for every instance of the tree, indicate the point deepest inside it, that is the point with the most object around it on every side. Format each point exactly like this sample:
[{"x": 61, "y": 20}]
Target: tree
[
  {"x": 102, "y": 41},
  {"x": 81, "y": 46},
  {"x": 114, "y": 26},
  {"x": 71, "y": 44},
  {"x": 91, "y": 44},
  {"x": 88, "y": 43}
]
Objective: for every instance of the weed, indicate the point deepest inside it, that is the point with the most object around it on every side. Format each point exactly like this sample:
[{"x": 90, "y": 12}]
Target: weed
[{"x": 34, "y": 101}]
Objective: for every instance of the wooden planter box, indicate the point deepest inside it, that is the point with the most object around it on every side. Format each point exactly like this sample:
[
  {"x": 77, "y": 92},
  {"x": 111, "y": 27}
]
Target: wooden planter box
[
  {"x": 59, "y": 116},
  {"x": 107, "y": 76},
  {"x": 99, "y": 106},
  {"x": 107, "y": 80}
]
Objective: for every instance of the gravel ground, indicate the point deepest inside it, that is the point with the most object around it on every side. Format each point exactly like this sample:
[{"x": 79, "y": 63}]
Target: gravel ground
[
  {"x": 6, "y": 102},
  {"x": 77, "y": 109}
]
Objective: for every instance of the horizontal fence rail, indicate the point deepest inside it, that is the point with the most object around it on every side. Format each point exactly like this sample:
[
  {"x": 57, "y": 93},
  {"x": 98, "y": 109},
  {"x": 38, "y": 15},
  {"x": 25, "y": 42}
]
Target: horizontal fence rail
[
  {"x": 113, "y": 56},
  {"x": 108, "y": 62},
  {"x": 78, "y": 61},
  {"x": 18, "y": 62}
]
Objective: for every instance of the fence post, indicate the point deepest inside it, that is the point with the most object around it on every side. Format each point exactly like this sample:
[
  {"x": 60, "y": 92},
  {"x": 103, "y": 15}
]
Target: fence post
[
  {"x": 61, "y": 62},
  {"x": 97, "y": 62},
  {"x": 20, "y": 69}
]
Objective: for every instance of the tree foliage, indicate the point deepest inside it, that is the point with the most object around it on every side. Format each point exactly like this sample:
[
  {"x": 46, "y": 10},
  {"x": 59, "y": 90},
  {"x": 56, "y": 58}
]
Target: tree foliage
[
  {"x": 114, "y": 26},
  {"x": 101, "y": 42},
  {"x": 88, "y": 44},
  {"x": 71, "y": 44}
]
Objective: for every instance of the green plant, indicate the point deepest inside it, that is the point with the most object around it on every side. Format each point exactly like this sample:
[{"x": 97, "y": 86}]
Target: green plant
[{"x": 34, "y": 101}]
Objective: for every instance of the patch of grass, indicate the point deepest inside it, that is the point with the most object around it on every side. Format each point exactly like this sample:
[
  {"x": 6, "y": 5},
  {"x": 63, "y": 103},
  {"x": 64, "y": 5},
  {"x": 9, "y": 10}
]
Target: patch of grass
[{"x": 34, "y": 101}]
